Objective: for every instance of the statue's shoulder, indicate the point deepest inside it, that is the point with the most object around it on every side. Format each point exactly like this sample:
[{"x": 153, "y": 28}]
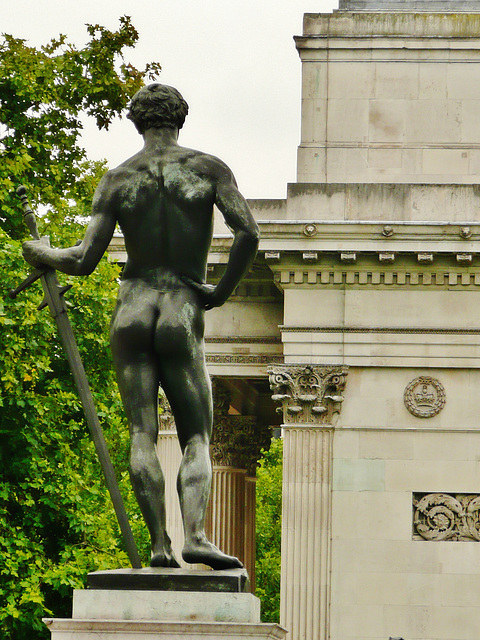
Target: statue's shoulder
[{"x": 206, "y": 163}]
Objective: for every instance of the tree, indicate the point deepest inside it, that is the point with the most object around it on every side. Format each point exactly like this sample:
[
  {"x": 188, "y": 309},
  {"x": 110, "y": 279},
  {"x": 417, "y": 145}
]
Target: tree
[
  {"x": 56, "y": 520},
  {"x": 269, "y": 525},
  {"x": 42, "y": 93}
]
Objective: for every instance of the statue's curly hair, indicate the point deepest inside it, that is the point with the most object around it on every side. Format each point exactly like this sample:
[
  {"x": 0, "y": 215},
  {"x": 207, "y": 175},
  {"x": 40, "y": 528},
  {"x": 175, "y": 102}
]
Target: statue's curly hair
[{"x": 157, "y": 106}]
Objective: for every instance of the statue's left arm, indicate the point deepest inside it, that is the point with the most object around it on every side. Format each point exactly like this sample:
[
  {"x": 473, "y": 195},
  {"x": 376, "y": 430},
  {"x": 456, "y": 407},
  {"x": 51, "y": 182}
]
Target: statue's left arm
[{"x": 84, "y": 257}]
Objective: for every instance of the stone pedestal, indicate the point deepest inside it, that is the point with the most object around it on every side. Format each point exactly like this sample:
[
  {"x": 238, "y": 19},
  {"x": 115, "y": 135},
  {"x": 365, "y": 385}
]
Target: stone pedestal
[
  {"x": 310, "y": 397},
  {"x": 204, "y": 613}
]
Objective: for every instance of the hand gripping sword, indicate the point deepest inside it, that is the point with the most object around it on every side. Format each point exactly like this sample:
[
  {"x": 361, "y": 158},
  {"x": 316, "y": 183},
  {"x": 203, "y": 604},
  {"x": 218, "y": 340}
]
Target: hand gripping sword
[{"x": 54, "y": 293}]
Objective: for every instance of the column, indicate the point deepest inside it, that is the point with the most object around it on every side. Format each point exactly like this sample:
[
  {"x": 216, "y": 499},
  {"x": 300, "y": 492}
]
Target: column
[
  {"x": 235, "y": 448},
  {"x": 170, "y": 456},
  {"x": 250, "y": 522},
  {"x": 310, "y": 398}
]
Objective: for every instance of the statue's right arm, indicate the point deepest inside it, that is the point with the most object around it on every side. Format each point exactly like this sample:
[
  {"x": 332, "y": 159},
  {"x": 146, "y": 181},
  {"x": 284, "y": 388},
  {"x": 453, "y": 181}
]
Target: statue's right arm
[{"x": 84, "y": 257}]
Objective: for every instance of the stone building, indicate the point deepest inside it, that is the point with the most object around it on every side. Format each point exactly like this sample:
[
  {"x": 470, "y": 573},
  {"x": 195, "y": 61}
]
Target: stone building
[{"x": 362, "y": 312}]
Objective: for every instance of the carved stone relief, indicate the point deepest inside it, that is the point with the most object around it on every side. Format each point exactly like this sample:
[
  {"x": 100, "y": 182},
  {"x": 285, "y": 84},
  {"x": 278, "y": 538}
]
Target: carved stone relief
[
  {"x": 424, "y": 397},
  {"x": 308, "y": 394},
  {"x": 446, "y": 516}
]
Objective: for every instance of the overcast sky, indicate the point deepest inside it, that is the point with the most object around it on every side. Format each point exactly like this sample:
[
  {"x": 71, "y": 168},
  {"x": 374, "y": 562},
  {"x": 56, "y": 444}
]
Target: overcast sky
[{"x": 234, "y": 61}]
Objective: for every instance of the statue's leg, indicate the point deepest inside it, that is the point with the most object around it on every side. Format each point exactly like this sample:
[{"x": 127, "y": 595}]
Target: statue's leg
[
  {"x": 137, "y": 376},
  {"x": 185, "y": 380}
]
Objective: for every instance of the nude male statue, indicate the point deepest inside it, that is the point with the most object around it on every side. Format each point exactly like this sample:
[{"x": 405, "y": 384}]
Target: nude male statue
[{"x": 163, "y": 198}]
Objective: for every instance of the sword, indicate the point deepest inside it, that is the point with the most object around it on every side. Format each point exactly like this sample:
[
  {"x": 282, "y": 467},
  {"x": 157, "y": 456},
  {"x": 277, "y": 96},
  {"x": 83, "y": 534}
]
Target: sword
[{"x": 54, "y": 293}]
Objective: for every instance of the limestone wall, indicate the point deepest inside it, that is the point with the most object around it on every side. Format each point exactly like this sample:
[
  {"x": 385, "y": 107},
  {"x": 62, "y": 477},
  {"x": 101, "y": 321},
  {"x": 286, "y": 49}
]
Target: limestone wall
[{"x": 390, "y": 97}]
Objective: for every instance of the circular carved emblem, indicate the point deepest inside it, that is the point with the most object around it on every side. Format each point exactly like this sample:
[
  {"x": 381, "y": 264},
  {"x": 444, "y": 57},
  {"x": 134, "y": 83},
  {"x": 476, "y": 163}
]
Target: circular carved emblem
[
  {"x": 310, "y": 229},
  {"x": 424, "y": 397}
]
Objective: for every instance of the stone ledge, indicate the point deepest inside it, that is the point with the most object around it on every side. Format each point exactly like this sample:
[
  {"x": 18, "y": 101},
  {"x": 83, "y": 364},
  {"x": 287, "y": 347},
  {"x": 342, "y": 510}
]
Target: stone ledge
[{"x": 61, "y": 629}]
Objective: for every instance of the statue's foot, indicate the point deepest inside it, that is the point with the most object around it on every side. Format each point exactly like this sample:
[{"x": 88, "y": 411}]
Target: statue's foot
[
  {"x": 163, "y": 558},
  {"x": 205, "y": 552}
]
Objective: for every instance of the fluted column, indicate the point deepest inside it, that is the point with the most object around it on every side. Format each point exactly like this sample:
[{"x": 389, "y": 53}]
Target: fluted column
[
  {"x": 250, "y": 523},
  {"x": 235, "y": 448},
  {"x": 226, "y": 515},
  {"x": 170, "y": 456},
  {"x": 310, "y": 398}
]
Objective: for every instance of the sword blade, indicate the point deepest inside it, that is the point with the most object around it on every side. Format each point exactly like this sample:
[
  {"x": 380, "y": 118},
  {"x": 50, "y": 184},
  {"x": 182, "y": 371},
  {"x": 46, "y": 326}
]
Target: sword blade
[{"x": 51, "y": 288}]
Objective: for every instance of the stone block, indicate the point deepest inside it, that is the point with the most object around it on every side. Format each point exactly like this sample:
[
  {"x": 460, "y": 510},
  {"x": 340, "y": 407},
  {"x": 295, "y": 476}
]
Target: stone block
[
  {"x": 431, "y": 476},
  {"x": 433, "y": 122},
  {"x": 470, "y": 131},
  {"x": 432, "y": 81},
  {"x": 349, "y": 80},
  {"x": 359, "y": 475},
  {"x": 167, "y": 606},
  {"x": 314, "y": 120},
  {"x": 395, "y": 81},
  {"x": 386, "y": 120},
  {"x": 347, "y": 119},
  {"x": 386, "y": 160},
  {"x": 444, "y": 163},
  {"x": 396, "y": 445},
  {"x": 372, "y": 515}
]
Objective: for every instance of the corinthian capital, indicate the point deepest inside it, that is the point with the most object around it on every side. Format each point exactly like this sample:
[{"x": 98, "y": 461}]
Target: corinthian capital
[{"x": 309, "y": 394}]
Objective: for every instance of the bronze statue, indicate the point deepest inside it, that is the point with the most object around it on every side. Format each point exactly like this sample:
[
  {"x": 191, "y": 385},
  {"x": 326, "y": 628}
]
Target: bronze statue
[{"x": 163, "y": 198}]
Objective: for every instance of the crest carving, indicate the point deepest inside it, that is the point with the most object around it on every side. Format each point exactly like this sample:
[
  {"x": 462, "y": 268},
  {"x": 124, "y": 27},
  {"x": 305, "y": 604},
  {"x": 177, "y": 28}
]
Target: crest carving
[
  {"x": 308, "y": 394},
  {"x": 424, "y": 397}
]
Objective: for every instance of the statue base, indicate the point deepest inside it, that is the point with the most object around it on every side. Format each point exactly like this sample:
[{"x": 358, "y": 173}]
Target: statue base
[{"x": 164, "y": 604}]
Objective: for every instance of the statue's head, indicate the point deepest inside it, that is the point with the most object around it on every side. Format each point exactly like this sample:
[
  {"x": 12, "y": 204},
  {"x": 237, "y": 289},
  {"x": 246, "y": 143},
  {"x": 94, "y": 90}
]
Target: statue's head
[{"x": 157, "y": 106}]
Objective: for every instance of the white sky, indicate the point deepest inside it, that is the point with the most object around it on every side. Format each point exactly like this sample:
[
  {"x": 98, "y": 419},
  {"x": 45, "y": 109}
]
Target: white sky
[{"x": 234, "y": 61}]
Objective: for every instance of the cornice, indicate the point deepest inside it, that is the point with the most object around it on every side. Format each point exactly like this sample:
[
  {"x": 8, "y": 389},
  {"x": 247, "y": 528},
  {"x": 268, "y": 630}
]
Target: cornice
[
  {"x": 242, "y": 339},
  {"x": 401, "y": 24},
  {"x": 400, "y": 330},
  {"x": 348, "y": 236},
  {"x": 244, "y": 359}
]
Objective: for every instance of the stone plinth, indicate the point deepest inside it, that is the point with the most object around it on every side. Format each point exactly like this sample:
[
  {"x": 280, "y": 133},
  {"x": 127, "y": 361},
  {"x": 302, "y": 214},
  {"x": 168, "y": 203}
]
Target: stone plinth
[
  {"x": 167, "y": 606},
  {"x": 203, "y": 607},
  {"x": 166, "y": 579}
]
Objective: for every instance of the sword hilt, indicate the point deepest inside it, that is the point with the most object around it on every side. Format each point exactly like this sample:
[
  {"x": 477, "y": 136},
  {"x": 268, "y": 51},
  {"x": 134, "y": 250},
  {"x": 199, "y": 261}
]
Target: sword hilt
[{"x": 28, "y": 214}]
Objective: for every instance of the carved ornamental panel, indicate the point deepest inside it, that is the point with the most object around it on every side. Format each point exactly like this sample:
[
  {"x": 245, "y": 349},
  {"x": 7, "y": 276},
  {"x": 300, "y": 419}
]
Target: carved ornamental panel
[
  {"x": 308, "y": 394},
  {"x": 446, "y": 516}
]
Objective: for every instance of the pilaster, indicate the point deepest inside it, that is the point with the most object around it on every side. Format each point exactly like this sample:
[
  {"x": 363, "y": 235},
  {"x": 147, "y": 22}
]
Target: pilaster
[{"x": 310, "y": 398}]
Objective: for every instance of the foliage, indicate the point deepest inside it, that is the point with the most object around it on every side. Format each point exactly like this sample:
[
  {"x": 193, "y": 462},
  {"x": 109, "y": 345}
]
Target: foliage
[
  {"x": 269, "y": 523},
  {"x": 56, "y": 519},
  {"x": 42, "y": 94}
]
